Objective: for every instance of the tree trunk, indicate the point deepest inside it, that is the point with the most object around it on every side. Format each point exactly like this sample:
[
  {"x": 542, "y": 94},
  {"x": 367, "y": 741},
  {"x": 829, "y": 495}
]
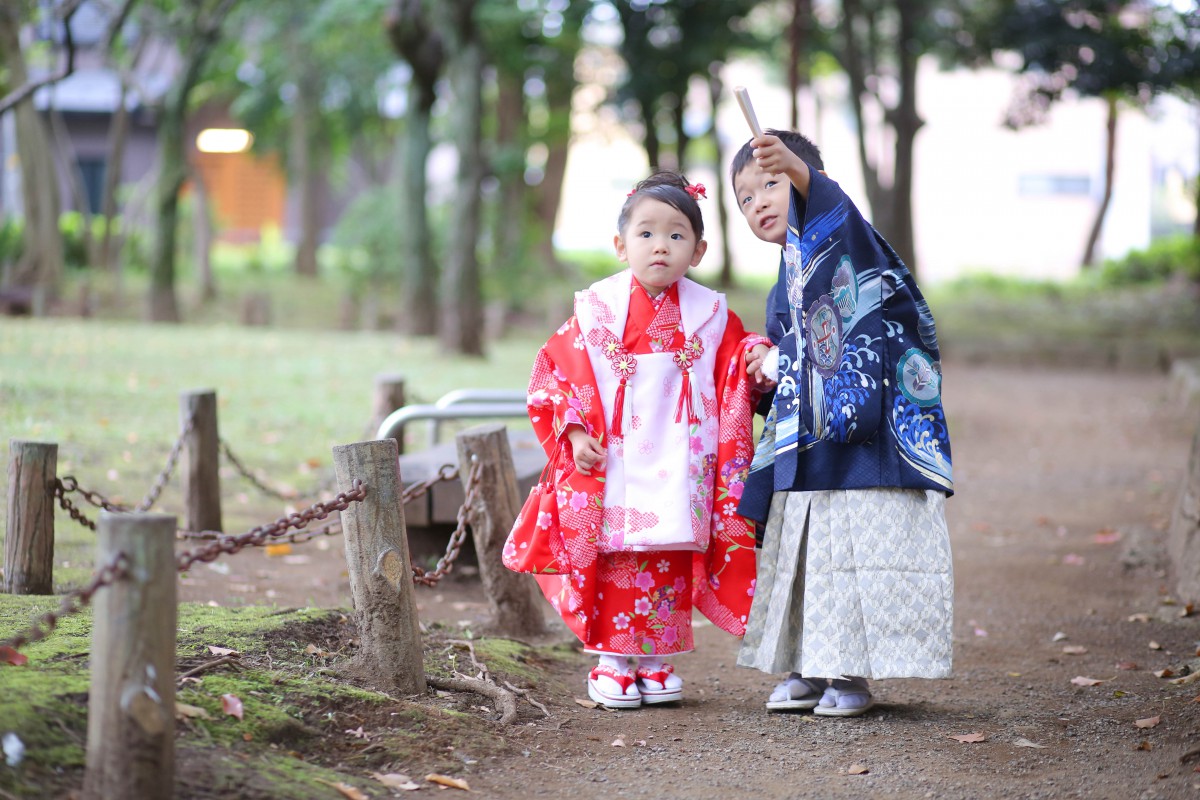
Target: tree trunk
[
  {"x": 560, "y": 91},
  {"x": 799, "y": 31},
  {"x": 172, "y": 170},
  {"x": 303, "y": 152},
  {"x": 1110, "y": 163},
  {"x": 41, "y": 263},
  {"x": 118, "y": 136},
  {"x": 509, "y": 226},
  {"x": 420, "y": 270},
  {"x": 906, "y": 122},
  {"x": 68, "y": 166},
  {"x": 202, "y": 223},
  {"x": 852, "y": 61},
  {"x": 715, "y": 89},
  {"x": 650, "y": 139},
  {"x": 462, "y": 302}
]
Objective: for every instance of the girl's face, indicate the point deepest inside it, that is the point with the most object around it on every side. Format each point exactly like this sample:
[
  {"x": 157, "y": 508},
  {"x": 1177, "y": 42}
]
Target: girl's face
[{"x": 658, "y": 244}]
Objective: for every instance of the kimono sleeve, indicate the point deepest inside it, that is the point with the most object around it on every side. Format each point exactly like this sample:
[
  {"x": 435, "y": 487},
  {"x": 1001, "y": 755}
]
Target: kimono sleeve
[{"x": 562, "y": 390}]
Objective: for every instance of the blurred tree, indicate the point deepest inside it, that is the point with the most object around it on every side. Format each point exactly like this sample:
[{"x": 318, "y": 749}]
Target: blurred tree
[
  {"x": 309, "y": 87},
  {"x": 533, "y": 46},
  {"x": 665, "y": 44},
  {"x": 195, "y": 28},
  {"x": 461, "y": 296},
  {"x": 41, "y": 263},
  {"x": 1119, "y": 51},
  {"x": 415, "y": 38}
]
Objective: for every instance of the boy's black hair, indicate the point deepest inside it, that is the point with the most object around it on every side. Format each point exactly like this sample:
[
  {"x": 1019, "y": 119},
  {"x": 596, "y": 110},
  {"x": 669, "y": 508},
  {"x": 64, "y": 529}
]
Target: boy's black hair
[
  {"x": 798, "y": 143},
  {"x": 666, "y": 187}
]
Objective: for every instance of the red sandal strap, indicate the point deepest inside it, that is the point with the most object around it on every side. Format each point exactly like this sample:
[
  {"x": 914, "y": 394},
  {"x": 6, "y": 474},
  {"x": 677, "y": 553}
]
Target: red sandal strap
[
  {"x": 659, "y": 675},
  {"x": 624, "y": 680}
]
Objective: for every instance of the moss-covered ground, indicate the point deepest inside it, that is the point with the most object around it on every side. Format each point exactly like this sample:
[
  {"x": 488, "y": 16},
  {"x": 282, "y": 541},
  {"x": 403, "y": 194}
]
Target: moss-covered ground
[{"x": 307, "y": 725}]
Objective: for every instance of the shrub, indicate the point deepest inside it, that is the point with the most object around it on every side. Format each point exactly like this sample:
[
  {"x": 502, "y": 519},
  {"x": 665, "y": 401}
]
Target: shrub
[{"x": 1162, "y": 260}]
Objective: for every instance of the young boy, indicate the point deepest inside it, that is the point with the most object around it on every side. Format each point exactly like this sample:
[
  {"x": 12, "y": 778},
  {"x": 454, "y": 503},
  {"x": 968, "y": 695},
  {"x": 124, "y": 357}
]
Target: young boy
[{"x": 851, "y": 474}]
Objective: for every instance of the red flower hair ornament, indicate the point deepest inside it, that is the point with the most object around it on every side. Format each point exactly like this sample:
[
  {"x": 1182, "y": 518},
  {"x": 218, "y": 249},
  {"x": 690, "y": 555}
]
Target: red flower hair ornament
[{"x": 696, "y": 190}]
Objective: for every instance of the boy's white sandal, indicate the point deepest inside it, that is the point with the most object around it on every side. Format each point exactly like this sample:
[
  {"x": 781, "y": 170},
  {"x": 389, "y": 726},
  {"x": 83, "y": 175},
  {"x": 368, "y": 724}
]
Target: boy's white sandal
[
  {"x": 660, "y": 685},
  {"x": 794, "y": 694},
  {"x": 613, "y": 689},
  {"x": 843, "y": 702}
]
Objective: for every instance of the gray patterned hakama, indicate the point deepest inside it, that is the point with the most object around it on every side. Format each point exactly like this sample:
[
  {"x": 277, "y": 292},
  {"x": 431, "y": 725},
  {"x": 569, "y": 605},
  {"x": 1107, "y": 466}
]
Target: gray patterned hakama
[{"x": 853, "y": 582}]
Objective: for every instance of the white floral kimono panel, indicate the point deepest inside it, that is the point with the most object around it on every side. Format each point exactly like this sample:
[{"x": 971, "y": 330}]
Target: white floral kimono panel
[{"x": 661, "y": 459}]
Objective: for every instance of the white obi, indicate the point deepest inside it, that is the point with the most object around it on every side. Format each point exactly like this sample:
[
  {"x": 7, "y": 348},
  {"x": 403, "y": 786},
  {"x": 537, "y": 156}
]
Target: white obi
[{"x": 660, "y": 473}]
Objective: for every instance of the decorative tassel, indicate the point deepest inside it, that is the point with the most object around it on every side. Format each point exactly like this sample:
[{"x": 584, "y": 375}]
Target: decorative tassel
[
  {"x": 685, "y": 400},
  {"x": 618, "y": 410}
]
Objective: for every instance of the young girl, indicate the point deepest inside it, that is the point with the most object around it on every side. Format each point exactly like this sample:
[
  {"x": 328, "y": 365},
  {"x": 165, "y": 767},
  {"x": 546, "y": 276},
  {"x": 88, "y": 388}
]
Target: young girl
[{"x": 643, "y": 403}]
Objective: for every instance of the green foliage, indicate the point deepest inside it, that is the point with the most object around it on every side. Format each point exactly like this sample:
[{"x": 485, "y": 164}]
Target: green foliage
[
  {"x": 12, "y": 241},
  {"x": 369, "y": 240},
  {"x": 1164, "y": 259}
]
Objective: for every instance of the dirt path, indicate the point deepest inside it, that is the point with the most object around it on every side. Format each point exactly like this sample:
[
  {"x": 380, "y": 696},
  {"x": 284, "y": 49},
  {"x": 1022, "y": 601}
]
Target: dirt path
[{"x": 1065, "y": 483}]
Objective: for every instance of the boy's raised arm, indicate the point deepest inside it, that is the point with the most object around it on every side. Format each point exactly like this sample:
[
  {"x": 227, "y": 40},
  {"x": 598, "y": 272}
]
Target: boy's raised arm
[{"x": 773, "y": 156}]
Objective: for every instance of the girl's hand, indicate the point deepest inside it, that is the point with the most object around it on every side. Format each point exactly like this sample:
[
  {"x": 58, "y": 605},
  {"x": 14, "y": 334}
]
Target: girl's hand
[
  {"x": 587, "y": 451},
  {"x": 755, "y": 357}
]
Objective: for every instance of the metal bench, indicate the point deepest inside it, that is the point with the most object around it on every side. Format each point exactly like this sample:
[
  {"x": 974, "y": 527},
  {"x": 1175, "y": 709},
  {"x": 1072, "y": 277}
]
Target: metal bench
[{"x": 441, "y": 504}]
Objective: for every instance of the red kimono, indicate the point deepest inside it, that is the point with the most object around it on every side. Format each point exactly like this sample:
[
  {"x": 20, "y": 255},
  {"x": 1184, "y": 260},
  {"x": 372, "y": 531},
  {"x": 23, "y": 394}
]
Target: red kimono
[{"x": 618, "y": 591}]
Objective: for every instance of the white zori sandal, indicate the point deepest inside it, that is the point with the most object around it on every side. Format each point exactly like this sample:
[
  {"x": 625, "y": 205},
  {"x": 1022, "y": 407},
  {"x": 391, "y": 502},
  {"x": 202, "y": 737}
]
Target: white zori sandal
[
  {"x": 658, "y": 683},
  {"x": 796, "y": 694},
  {"x": 612, "y": 688},
  {"x": 845, "y": 698}
]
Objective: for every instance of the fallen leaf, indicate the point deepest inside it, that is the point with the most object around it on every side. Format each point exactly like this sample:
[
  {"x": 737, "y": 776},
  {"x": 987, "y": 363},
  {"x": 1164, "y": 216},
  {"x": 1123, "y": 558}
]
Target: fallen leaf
[
  {"x": 1074, "y": 649},
  {"x": 1164, "y": 673},
  {"x": 1127, "y": 665},
  {"x": 357, "y": 733},
  {"x": 1106, "y": 536},
  {"x": 231, "y": 704},
  {"x": 1081, "y": 680},
  {"x": 980, "y": 632},
  {"x": 313, "y": 650},
  {"x": 1139, "y": 617},
  {"x": 1154, "y": 645},
  {"x": 396, "y": 780},
  {"x": 618, "y": 742},
  {"x": 346, "y": 790},
  {"x": 971, "y": 738},
  {"x": 639, "y": 742},
  {"x": 446, "y": 780},
  {"x": 585, "y": 703},
  {"x": 1013, "y": 674},
  {"x": 1058, "y": 637},
  {"x": 1142, "y": 745},
  {"x": 1023, "y": 742},
  {"x": 1187, "y": 610},
  {"x": 1148, "y": 722},
  {"x": 221, "y": 651},
  {"x": 10, "y": 656},
  {"x": 857, "y": 769},
  {"x": 279, "y": 549},
  {"x": 184, "y": 711},
  {"x": 1118, "y": 694},
  {"x": 1073, "y": 559}
]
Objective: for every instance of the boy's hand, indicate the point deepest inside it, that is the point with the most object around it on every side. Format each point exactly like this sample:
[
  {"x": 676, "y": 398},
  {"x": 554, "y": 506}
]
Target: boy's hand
[
  {"x": 755, "y": 357},
  {"x": 773, "y": 156},
  {"x": 587, "y": 451}
]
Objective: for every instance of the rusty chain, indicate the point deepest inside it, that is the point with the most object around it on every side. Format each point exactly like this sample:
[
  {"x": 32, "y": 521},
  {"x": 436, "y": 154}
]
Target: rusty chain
[
  {"x": 71, "y": 603},
  {"x": 165, "y": 475},
  {"x": 446, "y": 563},
  {"x": 68, "y": 484},
  {"x": 258, "y": 536},
  {"x": 270, "y": 491}
]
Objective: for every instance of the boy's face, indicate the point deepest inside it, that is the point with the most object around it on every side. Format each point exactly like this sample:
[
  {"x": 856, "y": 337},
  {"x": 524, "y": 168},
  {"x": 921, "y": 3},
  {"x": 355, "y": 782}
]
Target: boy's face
[
  {"x": 659, "y": 245},
  {"x": 763, "y": 199}
]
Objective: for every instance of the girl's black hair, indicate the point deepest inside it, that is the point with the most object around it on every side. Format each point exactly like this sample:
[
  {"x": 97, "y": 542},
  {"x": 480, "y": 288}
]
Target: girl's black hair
[{"x": 666, "y": 187}]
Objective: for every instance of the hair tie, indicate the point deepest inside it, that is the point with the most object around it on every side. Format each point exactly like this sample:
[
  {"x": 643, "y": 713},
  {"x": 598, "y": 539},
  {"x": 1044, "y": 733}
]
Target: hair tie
[{"x": 697, "y": 191}]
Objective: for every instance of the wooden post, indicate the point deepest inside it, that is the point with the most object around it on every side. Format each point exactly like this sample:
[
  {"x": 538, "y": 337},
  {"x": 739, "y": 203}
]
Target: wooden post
[
  {"x": 201, "y": 461},
  {"x": 29, "y": 542},
  {"x": 514, "y": 600},
  {"x": 389, "y": 395},
  {"x": 381, "y": 582},
  {"x": 1183, "y": 536},
  {"x": 131, "y": 705}
]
